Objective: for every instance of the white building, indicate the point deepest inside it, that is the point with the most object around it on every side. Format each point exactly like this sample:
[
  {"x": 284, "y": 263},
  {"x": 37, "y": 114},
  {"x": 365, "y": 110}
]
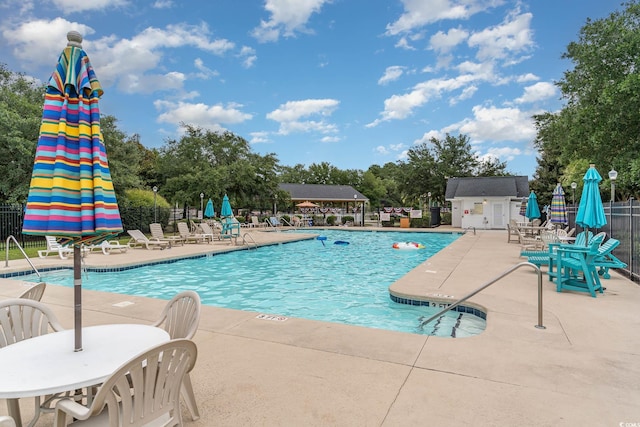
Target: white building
[{"x": 486, "y": 202}]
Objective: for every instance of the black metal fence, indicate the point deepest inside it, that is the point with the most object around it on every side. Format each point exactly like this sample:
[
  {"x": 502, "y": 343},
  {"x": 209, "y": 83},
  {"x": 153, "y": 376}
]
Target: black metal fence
[{"x": 623, "y": 223}]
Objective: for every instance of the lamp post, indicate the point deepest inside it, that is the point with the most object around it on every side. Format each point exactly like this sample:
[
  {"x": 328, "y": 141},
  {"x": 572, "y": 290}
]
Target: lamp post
[
  {"x": 155, "y": 193},
  {"x": 275, "y": 204},
  {"x": 613, "y": 175},
  {"x": 201, "y": 205},
  {"x": 429, "y": 196}
]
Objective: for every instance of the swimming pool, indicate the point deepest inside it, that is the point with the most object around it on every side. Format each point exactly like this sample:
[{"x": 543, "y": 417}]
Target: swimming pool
[{"x": 312, "y": 279}]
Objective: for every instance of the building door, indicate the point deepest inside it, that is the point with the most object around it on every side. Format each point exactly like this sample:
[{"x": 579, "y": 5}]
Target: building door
[{"x": 498, "y": 215}]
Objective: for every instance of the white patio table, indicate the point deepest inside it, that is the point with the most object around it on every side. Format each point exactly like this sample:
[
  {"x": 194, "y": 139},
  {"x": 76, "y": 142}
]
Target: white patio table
[{"x": 48, "y": 364}]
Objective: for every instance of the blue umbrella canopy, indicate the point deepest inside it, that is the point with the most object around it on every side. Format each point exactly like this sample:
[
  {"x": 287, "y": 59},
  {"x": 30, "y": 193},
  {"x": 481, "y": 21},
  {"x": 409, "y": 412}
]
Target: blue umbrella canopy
[
  {"x": 533, "y": 210},
  {"x": 558, "y": 209},
  {"x": 590, "y": 210},
  {"x": 71, "y": 194},
  {"x": 226, "y": 207},
  {"x": 209, "y": 212}
]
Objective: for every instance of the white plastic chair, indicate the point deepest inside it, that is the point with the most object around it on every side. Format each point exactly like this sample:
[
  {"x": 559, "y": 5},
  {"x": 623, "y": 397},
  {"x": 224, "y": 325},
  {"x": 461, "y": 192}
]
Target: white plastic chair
[
  {"x": 21, "y": 319},
  {"x": 7, "y": 421},
  {"x": 180, "y": 318},
  {"x": 54, "y": 247},
  {"x": 143, "y": 390},
  {"x": 35, "y": 292}
]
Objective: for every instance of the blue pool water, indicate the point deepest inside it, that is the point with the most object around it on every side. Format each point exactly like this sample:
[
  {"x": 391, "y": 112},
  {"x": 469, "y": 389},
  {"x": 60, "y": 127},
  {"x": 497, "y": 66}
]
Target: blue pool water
[{"x": 312, "y": 279}]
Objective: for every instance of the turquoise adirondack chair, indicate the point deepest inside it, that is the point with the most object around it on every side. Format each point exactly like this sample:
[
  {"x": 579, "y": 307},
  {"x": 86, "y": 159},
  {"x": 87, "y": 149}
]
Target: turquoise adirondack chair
[
  {"x": 577, "y": 270},
  {"x": 606, "y": 260}
]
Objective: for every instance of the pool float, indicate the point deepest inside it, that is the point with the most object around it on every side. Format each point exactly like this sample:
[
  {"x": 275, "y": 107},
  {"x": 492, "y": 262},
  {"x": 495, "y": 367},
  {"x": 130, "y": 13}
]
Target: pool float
[
  {"x": 407, "y": 245},
  {"x": 340, "y": 242}
]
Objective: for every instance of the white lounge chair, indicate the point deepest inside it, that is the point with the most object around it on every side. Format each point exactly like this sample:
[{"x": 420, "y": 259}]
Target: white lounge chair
[
  {"x": 188, "y": 236},
  {"x": 107, "y": 246},
  {"x": 54, "y": 247},
  {"x": 255, "y": 222},
  {"x": 138, "y": 239},
  {"x": 143, "y": 391},
  {"x": 158, "y": 233}
]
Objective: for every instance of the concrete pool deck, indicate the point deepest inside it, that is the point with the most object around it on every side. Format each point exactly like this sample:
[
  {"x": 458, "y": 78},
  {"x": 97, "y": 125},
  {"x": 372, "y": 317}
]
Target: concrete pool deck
[{"x": 583, "y": 369}]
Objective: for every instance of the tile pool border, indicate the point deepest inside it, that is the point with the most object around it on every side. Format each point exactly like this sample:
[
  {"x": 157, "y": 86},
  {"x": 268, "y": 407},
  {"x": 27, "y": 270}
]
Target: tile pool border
[{"x": 440, "y": 303}]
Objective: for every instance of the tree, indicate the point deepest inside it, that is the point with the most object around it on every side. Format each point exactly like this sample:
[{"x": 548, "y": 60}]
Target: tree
[
  {"x": 600, "y": 121},
  {"x": 21, "y": 102}
]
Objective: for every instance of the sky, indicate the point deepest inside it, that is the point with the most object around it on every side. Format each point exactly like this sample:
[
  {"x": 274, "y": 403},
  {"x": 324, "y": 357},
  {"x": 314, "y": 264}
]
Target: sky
[{"x": 349, "y": 82}]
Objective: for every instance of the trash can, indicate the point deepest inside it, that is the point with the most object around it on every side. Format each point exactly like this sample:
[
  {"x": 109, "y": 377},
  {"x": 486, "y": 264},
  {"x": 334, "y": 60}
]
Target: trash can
[
  {"x": 404, "y": 222},
  {"x": 435, "y": 216}
]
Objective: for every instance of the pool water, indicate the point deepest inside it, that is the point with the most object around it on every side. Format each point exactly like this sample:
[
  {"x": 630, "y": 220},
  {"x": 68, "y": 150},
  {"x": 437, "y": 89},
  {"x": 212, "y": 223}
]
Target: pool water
[{"x": 312, "y": 279}]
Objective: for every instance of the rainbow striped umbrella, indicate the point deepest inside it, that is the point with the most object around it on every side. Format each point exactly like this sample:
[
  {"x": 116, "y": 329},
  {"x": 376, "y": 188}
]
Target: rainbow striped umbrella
[
  {"x": 71, "y": 194},
  {"x": 523, "y": 206},
  {"x": 558, "y": 208}
]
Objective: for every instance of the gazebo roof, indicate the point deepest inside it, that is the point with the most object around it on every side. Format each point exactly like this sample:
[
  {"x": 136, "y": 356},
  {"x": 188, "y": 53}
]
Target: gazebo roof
[{"x": 322, "y": 193}]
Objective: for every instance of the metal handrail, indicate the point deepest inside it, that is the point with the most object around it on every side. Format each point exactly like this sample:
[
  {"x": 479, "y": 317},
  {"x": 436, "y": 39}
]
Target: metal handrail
[
  {"x": 491, "y": 282},
  {"x": 6, "y": 263},
  {"x": 244, "y": 240}
]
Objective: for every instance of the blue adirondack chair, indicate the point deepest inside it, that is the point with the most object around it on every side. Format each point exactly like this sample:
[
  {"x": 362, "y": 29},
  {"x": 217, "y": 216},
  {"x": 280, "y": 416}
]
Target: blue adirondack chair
[{"x": 577, "y": 270}]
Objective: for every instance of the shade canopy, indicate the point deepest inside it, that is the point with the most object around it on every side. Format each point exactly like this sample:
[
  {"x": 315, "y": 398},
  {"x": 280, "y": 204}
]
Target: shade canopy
[
  {"x": 71, "y": 195},
  {"x": 209, "y": 212},
  {"x": 307, "y": 204},
  {"x": 533, "y": 210},
  {"x": 558, "y": 209},
  {"x": 590, "y": 210},
  {"x": 226, "y": 210}
]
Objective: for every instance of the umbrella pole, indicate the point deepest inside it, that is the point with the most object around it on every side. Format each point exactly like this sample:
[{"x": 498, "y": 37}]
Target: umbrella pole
[{"x": 77, "y": 296}]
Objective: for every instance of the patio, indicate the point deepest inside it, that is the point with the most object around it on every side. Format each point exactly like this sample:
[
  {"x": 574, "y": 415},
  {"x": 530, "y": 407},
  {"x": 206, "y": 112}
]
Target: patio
[{"x": 584, "y": 368}]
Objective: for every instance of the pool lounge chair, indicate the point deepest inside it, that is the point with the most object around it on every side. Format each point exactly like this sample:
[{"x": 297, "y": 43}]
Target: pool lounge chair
[
  {"x": 606, "y": 260},
  {"x": 139, "y": 240},
  {"x": 188, "y": 236},
  {"x": 54, "y": 247},
  {"x": 158, "y": 233},
  {"x": 109, "y": 245},
  {"x": 255, "y": 222},
  {"x": 275, "y": 222}
]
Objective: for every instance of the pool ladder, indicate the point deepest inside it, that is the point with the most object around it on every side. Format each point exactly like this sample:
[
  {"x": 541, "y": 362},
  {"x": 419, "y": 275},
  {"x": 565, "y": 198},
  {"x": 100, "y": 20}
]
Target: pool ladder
[
  {"x": 6, "y": 262},
  {"x": 244, "y": 240},
  {"x": 491, "y": 282}
]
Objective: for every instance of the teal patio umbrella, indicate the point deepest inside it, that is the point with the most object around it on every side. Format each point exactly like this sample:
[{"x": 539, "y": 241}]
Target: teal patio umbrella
[
  {"x": 533, "y": 210},
  {"x": 209, "y": 212},
  {"x": 226, "y": 207},
  {"x": 590, "y": 210}
]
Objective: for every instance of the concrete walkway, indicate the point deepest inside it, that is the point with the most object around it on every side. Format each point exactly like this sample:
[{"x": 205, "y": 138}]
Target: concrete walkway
[{"x": 583, "y": 369}]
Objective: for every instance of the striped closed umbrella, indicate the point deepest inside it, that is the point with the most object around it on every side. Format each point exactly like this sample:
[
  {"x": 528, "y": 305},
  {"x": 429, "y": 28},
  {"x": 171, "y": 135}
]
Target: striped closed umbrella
[
  {"x": 523, "y": 207},
  {"x": 71, "y": 194},
  {"x": 558, "y": 209}
]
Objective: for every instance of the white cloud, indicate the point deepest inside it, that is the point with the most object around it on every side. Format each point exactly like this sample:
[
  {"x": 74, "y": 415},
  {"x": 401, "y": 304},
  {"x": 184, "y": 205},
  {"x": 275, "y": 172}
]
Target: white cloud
[
  {"x": 328, "y": 139},
  {"x": 513, "y": 36},
  {"x": 75, "y": 6},
  {"x": 418, "y": 13},
  {"x": 259, "y": 137},
  {"x": 537, "y": 92},
  {"x": 445, "y": 42},
  {"x": 391, "y": 74},
  {"x": 210, "y": 117},
  {"x": 289, "y": 116},
  {"x": 248, "y": 56},
  {"x": 502, "y": 153},
  {"x": 287, "y": 18},
  {"x": 381, "y": 149},
  {"x": 163, "y": 4},
  {"x": 428, "y": 135},
  {"x": 498, "y": 124}
]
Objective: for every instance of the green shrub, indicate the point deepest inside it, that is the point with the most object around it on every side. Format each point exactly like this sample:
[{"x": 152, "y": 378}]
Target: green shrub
[
  {"x": 347, "y": 218},
  {"x": 331, "y": 220}
]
